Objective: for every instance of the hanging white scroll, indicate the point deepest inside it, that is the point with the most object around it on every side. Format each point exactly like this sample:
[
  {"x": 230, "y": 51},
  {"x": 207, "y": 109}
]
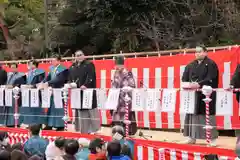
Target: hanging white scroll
[
  {"x": 76, "y": 98},
  {"x": 112, "y": 99},
  {"x": 101, "y": 98},
  {"x": 187, "y": 101},
  {"x": 8, "y": 97},
  {"x": 87, "y": 99},
  {"x": 25, "y": 97},
  {"x": 138, "y": 99},
  {"x": 152, "y": 100},
  {"x": 224, "y": 102},
  {"x": 1, "y": 97},
  {"x": 169, "y": 100},
  {"x": 57, "y": 98},
  {"x": 34, "y": 97},
  {"x": 46, "y": 97}
]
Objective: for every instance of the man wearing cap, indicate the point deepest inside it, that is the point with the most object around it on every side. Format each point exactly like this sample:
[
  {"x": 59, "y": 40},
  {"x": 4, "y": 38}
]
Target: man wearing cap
[
  {"x": 123, "y": 78},
  {"x": 83, "y": 74},
  {"x": 202, "y": 71}
]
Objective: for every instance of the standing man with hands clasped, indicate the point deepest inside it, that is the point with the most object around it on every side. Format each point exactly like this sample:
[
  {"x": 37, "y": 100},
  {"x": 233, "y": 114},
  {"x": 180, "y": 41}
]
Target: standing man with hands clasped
[
  {"x": 200, "y": 72},
  {"x": 83, "y": 74}
]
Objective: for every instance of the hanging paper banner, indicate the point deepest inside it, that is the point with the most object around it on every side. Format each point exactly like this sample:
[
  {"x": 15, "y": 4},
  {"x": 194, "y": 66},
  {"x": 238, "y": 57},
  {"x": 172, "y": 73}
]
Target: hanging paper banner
[
  {"x": 187, "y": 101},
  {"x": 87, "y": 99},
  {"x": 34, "y": 97},
  {"x": 57, "y": 98},
  {"x": 169, "y": 100},
  {"x": 76, "y": 98},
  {"x": 112, "y": 99},
  {"x": 8, "y": 97},
  {"x": 1, "y": 97},
  {"x": 46, "y": 97},
  {"x": 138, "y": 99},
  {"x": 224, "y": 102},
  {"x": 153, "y": 100},
  {"x": 25, "y": 97},
  {"x": 101, "y": 98}
]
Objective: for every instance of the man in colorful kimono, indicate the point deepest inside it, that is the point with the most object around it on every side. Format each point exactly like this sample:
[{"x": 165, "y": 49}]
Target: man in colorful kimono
[
  {"x": 15, "y": 78},
  {"x": 34, "y": 115},
  {"x": 123, "y": 78},
  {"x": 57, "y": 77}
]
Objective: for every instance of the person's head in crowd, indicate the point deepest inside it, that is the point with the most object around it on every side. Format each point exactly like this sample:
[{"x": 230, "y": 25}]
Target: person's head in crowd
[
  {"x": 35, "y": 129},
  {"x": 96, "y": 146},
  {"x": 117, "y": 132},
  {"x": 210, "y": 157},
  {"x": 79, "y": 56},
  {"x": 126, "y": 151},
  {"x": 5, "y": 155},
  {"x": 14, "y": 67},
  {"x": 201, "y": 52},
  {"x": 119, "y": 62},
  {"x": 17, "y": 146},
  {"x": 71, "y": 147},
  {"x": 33, "y": 64},
  {"x": 60, "y": 142},
  {"x": 114, "y": 148},
  {"x": 4, "y": 137},
  {"x": 35, "y": 157},
  {"x": 18, "y": 155},
  {"x": 56, "y": 59}
]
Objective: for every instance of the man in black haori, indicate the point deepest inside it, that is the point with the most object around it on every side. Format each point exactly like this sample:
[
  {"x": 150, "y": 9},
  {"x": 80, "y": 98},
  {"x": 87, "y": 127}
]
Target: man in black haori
[{"x": 200, "y": 72}]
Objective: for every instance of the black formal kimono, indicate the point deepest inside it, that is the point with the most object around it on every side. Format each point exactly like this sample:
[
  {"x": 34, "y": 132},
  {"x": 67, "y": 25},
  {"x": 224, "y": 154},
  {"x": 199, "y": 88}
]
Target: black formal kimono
[
  {"x": 14, "y": 79},
  {"x": 34, "y": 77},
  {"x": 83, "y": 73},
  {"x": 56, "y": 78},
  {"x": 204, "y": 73},
  {"x": 235, "y": 81}
]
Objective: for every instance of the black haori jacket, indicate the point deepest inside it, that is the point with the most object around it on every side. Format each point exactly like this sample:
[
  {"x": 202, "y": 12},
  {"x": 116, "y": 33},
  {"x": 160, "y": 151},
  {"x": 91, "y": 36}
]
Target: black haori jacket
[{"x": 205, "y": 73}]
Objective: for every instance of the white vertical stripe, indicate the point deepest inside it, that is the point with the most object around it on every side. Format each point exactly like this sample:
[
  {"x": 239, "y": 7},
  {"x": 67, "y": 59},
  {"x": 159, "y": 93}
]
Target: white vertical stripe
[
  {"x": 158, "y": 84},
  {"x": 146, "y": 85},
  {"x": 197, "y": 156},
  {"x": 223, "y": 158},
  {"x": 161, "y": 153},
  {"x": 184, "y": 155},
  {"x": 135, "y": 76},
  {"x": 150, "y": 153},
  {"x": 226, "y": 82},
  {"x": 182, "y": 115},
  {"x": 103, "y": 85},
  {"x": 173, "y": 155},
  {"x": 170, "y": 84},
  {"x": 140, "y": 152},
  {"x": 112, "y": 74}
]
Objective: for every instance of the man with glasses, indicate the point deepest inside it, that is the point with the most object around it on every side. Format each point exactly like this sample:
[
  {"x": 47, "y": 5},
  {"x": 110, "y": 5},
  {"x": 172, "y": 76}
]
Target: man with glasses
[
  {"x": 83, "y": 74},
  {"x": 202, "y": 71}
]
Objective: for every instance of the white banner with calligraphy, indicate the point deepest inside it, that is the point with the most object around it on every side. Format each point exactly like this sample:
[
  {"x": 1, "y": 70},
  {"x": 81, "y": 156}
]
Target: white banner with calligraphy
[
  {"x": 138, "y": 99},
  {"x": 46, "y": 97},
  {"x": 25, "y": 97},
  {"x": 34, "y": 97},
  {"x": 153, "y": 100},
  {"x": 169, "y": 100},
  {"x": 76, "y": 98},
  {"x": 187, "y": 101},
  {"x": 101, "y": 98},
  {"x": 224, "y": 102},
  {"x": 57, "y": 98},
  {"x": 8, "y": 97},
  {"x": 87, "y": 99},
  {"x": 112, "y": 99},
  {"x": 1, "y": 97}
]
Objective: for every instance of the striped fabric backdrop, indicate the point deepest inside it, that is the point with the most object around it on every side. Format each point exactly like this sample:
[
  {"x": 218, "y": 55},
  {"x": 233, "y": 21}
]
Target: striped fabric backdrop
[{"x": 164, "y": 72}]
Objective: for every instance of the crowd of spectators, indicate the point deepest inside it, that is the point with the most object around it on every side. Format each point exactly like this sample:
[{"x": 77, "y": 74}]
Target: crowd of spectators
[{"x": 38, "y": 148}]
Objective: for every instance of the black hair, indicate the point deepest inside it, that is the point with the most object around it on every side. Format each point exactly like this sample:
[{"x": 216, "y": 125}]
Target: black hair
[
  {"x": 211, "y": 157},
  {"x": 5, "y": 155},
  {"x": 59, "y": 142},
  {"x": 34, "y": 62},
  {"x": 71, "y": 146},
  {"x": 95, "y": 143},
  {"x": 118, "y": 129},
  {"x": 57, "y": 56},
  {"x": 3, "y": 135},
  {"x": 202, "y": 46},
  {"x": 114, "y": 148},
  {"x": 17, "y": 146},
  {"x": 126, "y": 150},
  {"x": 35, "y": 129}
]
